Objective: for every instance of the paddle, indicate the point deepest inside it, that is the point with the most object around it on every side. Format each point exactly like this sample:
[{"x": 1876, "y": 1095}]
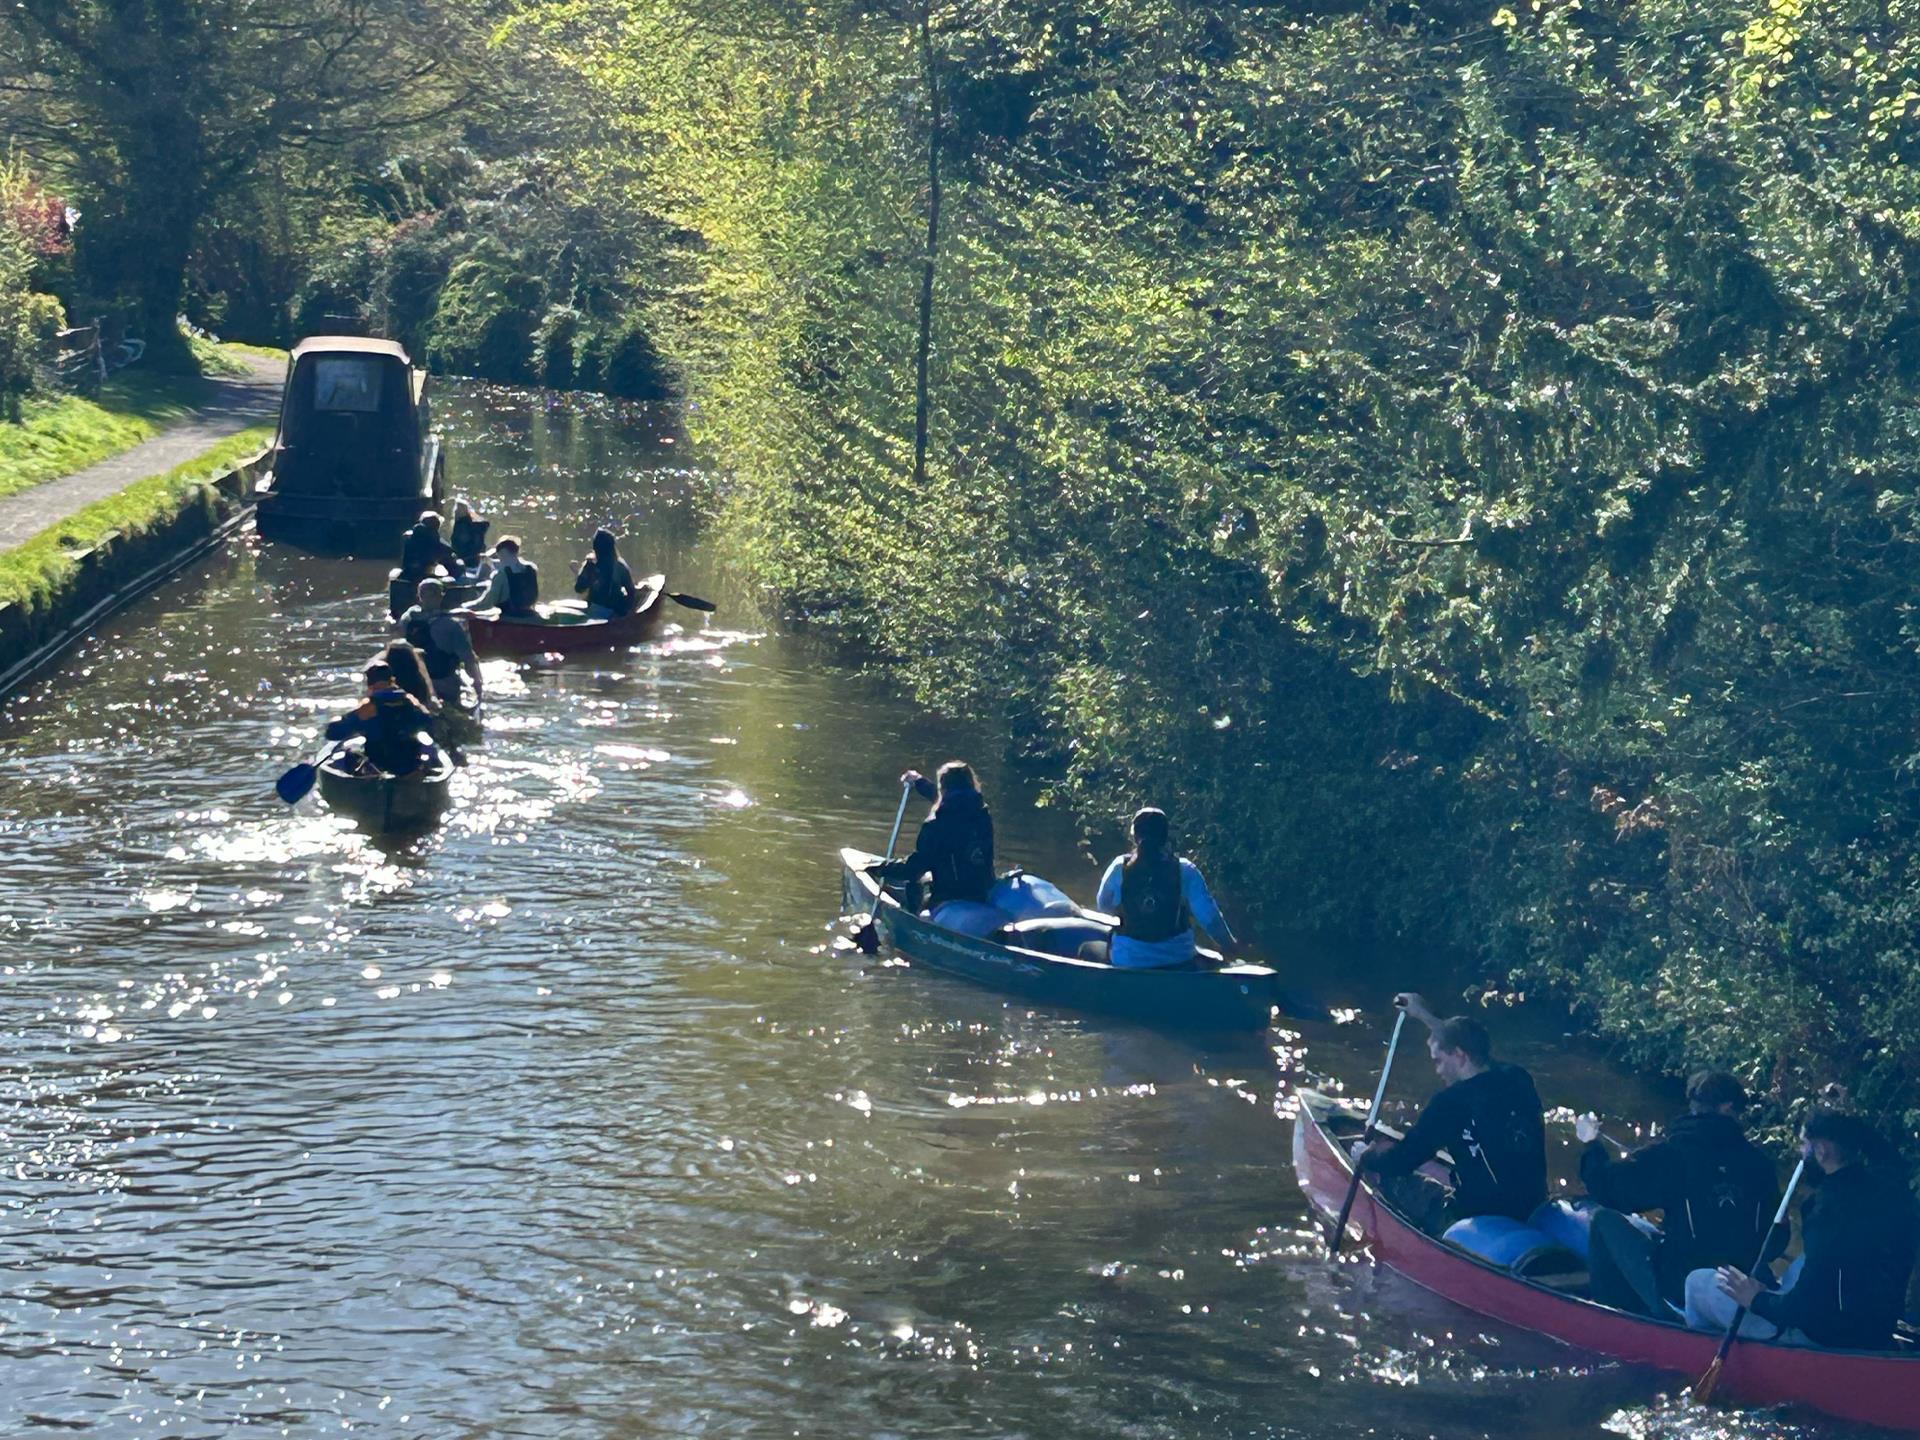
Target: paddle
[
  {"x": 1339, "y": 1236},
  {"x": 867, "y": 937},
  {"x": 294, "y": 786},
  {"x": 1703, "y": 1387},
  {"x": 692, "y": 602}
]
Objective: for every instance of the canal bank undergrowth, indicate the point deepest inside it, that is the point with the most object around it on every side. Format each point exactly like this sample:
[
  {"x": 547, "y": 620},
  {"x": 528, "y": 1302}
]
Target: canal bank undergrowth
[{"x": 1462, "y": 467}]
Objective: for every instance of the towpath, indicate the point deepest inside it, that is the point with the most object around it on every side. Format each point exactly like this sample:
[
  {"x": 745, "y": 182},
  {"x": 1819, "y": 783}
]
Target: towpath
[{"x": 233, "y": 404}]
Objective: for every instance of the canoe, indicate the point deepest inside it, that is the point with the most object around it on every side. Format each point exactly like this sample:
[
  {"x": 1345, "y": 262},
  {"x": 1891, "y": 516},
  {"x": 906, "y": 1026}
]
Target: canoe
[
  {"x": 458, "y": 590},
  {"x": 1873, "y": 1388},
  {"x": 385, "y": 803},
  {"x": 564, "y": 628},
  {"x": 1232, "y": 997}
]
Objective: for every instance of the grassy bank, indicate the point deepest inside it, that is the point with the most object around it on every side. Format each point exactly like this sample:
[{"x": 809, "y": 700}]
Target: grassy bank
[
  {"x": 59, "y": 435},
  {"x": 33, "y": 572}
]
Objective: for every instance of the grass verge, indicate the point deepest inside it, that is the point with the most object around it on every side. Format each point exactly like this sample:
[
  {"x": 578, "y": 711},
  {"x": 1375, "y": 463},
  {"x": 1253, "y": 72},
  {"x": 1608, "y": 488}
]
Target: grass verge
[
  {"x": 227, "y": 357},
  {"x": 35, "y": 571},
  {"x": 57, "y": 436}
]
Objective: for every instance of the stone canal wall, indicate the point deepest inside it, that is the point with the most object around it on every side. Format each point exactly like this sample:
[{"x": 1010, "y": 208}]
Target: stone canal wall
[{"x": 121, "y": 567}]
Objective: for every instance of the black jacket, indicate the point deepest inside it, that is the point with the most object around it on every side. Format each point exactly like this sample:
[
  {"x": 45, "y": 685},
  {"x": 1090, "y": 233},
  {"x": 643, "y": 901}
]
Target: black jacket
[
  {"x": 421, "y": 550},
  {"x": 1857, "y": 1234},
  {"x": 955, "y": 846},
  {"x": 1716, "y": 1191},
  {"x": 1491, "y": 1125}
]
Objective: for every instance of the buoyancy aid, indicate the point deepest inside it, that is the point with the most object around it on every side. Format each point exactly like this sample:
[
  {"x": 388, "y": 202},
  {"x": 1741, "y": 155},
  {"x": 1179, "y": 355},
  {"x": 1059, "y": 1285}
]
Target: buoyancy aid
[
  {"x": 417, "y": 626},
  {"x": 523, "y": 589},
  {"x": 957, "y": 842},
  {"x": 1153, "y": 900},
  {"x": 610, "y": 586},
  {"x": 393, "y": 725},
  {"x": 421, "y": 551},
  {"x": 469, "y": 538}
]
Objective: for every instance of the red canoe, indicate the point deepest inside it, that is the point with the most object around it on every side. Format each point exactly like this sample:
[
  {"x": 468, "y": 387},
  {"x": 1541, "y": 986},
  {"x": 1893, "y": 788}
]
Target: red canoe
[
  {"x": 565, "y": 629},
  {"x": 1873, "y": 1388}
]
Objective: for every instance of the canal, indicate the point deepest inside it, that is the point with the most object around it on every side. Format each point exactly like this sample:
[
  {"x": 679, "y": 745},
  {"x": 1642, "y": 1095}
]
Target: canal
[{"x": 569, "y": 1119}]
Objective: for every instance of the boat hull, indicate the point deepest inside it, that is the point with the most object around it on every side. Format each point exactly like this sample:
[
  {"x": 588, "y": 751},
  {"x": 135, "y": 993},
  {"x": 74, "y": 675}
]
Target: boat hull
[
  {"x": 340, "y": 525},
  {"x": 493, "y": 635},
  {"x": 384, "y": 803},
  {"x": 1234, "y": 997},
  {"x": 1874, "y": 1389}
]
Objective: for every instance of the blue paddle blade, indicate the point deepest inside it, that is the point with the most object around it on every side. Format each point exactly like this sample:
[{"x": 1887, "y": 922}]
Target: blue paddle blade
[{"x": 293, "y": 786}]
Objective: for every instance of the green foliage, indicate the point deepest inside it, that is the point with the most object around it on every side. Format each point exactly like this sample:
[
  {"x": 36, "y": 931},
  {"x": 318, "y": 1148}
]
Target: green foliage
[{"x": 1465, "y": 457}]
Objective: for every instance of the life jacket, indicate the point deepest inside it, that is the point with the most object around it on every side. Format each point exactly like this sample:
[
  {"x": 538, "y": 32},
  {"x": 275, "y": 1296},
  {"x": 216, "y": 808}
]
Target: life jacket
[
  {"x": 393, "y": 737},
  {"x": 1153, "y": 899},
  {"x": 469, "y": 538},
  {"x": 417, "y": 626},
  {"x": 958, "y": 843},
  {"x": 420, "y": 552},
  {"x": 610, "y": 585},
  {"x": 523, "y": 589},
  {"x": 1727, "y": 1199}
]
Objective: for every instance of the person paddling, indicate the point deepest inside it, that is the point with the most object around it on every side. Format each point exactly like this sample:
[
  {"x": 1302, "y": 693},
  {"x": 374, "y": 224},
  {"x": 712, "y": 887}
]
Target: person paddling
[
  {"x": 1159, "y": 896},
  {"x": 1857, "y": 1236},
  {"x": 1488, "y": 1118},
  {"x": 443, "y": 644},
  {"x": 954, "y": 846},
  {"x": 515, "y": 586},
  {"x": 422, "y": 550},
  {"x": 605, "y": 580},
  {"x": 395, "y": 725},
  {"x": 469, "y": 536},
  {"x": 1715, "y": 1189}
]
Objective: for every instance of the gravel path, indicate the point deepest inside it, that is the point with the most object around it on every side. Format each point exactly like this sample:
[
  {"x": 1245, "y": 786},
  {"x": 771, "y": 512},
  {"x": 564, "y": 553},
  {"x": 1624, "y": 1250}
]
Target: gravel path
[{"x": 235, "y": 404}]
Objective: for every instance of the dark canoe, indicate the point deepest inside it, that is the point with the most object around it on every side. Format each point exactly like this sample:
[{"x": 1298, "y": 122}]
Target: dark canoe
[
  {"x": 1233, "y": 997},
  {"x": 456, "y": 590},
  {"x": 565, "y": 629},
  {"x": 1875, "y": 1389},
  {"x": 384, "y": 802},
  {"x": 355, "y": 459}
]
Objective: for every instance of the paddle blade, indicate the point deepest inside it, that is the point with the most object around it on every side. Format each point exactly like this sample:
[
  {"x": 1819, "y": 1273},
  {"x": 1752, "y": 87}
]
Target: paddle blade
[
  {"x": 692, "y": 602},
  {"x": 1703, "y": 1387},
  {"x": 293, "y": 786},
  {"x": 867, "y": 938}
]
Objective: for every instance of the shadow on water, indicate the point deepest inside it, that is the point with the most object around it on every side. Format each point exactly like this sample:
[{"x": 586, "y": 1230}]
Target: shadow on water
[{"x": 566, "y": 1118}]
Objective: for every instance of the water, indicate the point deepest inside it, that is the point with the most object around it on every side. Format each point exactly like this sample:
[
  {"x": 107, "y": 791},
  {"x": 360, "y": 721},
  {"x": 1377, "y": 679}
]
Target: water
[{"x": 567, "y": 1119}]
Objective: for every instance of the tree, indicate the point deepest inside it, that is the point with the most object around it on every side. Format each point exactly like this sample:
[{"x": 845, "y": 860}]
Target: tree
[{"x": 151, "y": 112}]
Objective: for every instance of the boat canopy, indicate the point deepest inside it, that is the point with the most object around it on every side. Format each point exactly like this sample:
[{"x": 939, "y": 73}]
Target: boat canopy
[{"x": 353, "y": 420}]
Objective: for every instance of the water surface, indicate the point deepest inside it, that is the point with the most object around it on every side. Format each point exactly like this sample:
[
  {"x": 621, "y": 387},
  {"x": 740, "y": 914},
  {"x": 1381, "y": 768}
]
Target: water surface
[{"x": 568, "y": 1120}]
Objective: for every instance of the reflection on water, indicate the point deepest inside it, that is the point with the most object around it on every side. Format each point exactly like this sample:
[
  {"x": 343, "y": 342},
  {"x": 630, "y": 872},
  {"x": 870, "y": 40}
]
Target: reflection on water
[{"x": 567, "y": 1118}]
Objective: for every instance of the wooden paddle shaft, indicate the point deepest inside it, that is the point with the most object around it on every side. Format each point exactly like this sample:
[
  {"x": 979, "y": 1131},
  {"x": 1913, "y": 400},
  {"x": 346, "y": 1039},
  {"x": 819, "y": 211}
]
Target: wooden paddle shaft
[
  {"x": 1373, "y": 1118},
  {"x": 1703, "y": 1388}
]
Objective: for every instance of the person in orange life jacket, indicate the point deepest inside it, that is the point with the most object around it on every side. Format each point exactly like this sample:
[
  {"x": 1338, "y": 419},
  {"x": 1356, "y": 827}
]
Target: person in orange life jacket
[
  {"x": 515, "y": 585},
  {"x": 443, "y": 643},
  {"x": 605, "y": 580},
  {"x": 1715, "y": 1189},
  {"x": 1159, "y": 897},
  {"x": 954, "y": 846},
  {"x": 423, "y": 549},
  {"x": 1489, "y": 1120},
  {"x": 394, "y": 724},
  {"x": 1857, "y": 1239}
]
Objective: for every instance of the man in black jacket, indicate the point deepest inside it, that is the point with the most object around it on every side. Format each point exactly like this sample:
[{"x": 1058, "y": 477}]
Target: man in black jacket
[
  {"x": 1715, "y": 1189},
  {"x": 1488, "y": 1119},
  {"x": 1857, "y": 1238},
  {"x": 955, "y": 845}
]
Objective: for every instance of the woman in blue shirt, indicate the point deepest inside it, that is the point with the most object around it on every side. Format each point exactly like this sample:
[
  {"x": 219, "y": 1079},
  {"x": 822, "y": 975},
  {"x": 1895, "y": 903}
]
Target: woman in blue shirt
[{"x": 1159, "y": 898}]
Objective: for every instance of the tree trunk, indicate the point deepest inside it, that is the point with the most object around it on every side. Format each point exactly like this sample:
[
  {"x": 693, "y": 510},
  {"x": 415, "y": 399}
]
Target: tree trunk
[{"x": 922, "y": 399}]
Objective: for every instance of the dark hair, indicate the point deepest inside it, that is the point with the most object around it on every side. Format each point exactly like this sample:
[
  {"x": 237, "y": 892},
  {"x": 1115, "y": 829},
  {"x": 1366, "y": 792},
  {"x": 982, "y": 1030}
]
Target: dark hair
[
  {"x": 1467, "y": 1035},
  {"x": 513, "y": 540},
  {"x": 430, "y": 518},
  {"x": 409, "y": 673},
  {"x": 377, "y": 671},
  {"x": 955, "y": 775},
  {"x": 1711, "y": 1089},
  {"x": 1152, "y": 835},
  {"x": 604, "y": 544},
  {"x": 1857, "y": 1141}
]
